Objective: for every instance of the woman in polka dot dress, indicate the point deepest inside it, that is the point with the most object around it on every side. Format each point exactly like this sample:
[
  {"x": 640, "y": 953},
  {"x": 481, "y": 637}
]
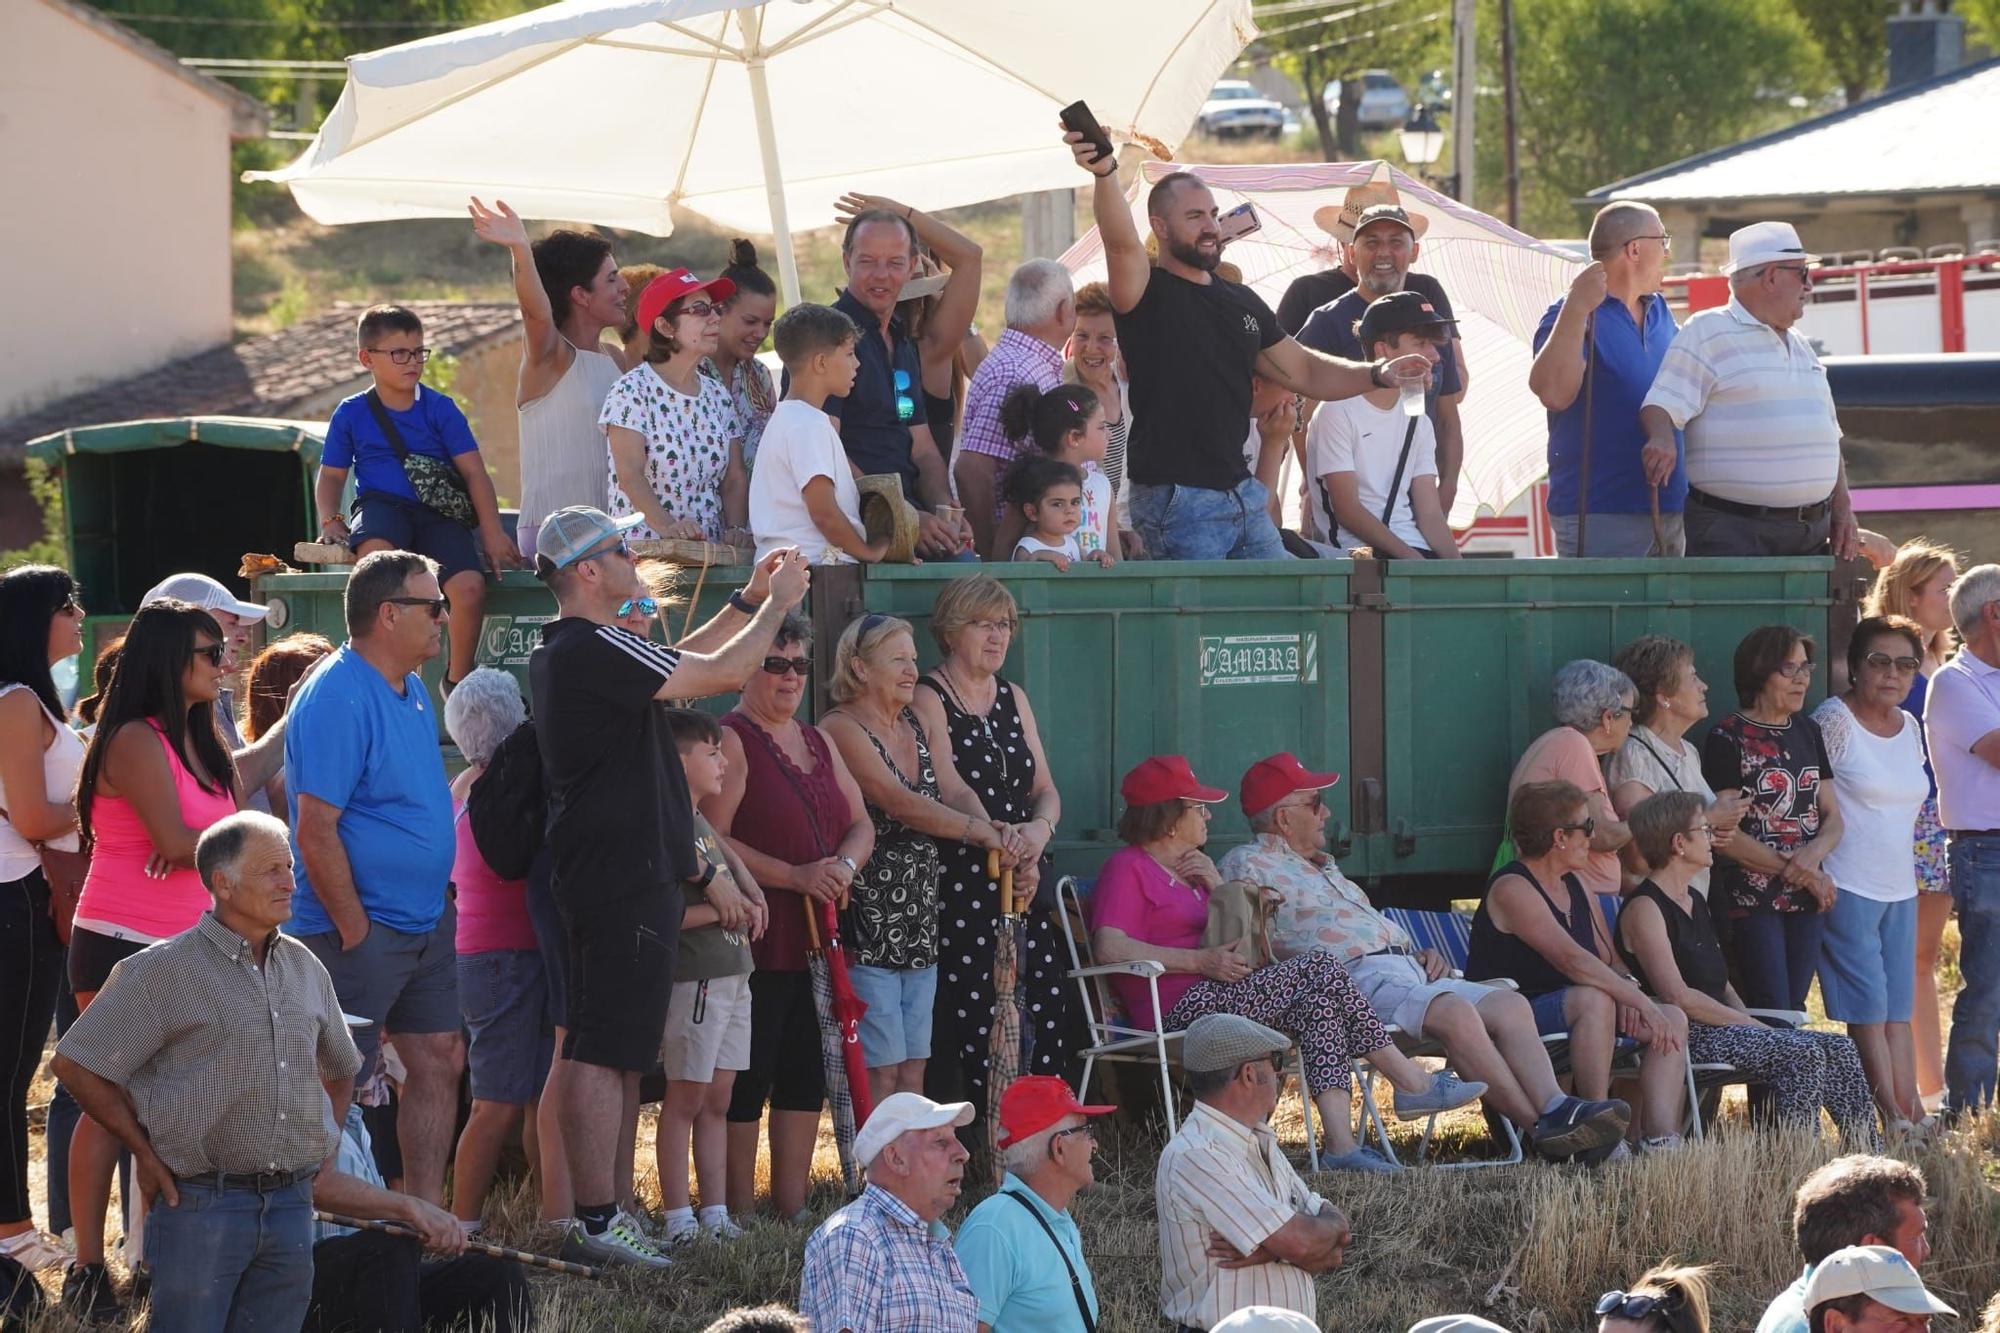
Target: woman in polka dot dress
[{"x": 998, "y": 752}]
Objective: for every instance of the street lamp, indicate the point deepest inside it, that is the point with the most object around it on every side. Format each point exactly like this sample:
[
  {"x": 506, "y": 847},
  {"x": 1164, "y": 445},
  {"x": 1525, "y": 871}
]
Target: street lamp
[{"x": 1422, "y": 139}]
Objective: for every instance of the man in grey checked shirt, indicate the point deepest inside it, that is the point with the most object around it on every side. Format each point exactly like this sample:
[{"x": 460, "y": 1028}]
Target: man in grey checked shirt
[{"x": 220, "y": 1058}]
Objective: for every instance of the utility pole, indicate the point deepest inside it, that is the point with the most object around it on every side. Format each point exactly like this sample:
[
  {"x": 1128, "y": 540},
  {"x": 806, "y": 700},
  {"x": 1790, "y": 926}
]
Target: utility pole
[
  {"x": 1464, "y": 92},
  {"x": 1507, "y": 113}
]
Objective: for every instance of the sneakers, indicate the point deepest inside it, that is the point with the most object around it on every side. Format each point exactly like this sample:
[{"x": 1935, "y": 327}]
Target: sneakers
[
  {"x": 620, "y": 1245},
  {"x": 1578, "y": 1126},
  {"x": 717, "y": 1223},
  {"x": 88, "y": 1294},
  {"x": 1364, "y": 1159},
  {"x": 36, "y": 1250},
  {"x": 1447, "y": 1092},
  {"x": 1662, "y": 1143}
]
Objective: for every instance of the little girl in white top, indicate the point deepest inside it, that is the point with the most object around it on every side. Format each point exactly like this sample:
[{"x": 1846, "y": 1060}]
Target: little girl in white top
[
  {"x": 1064, "y": 425},
  {"x": 1049, "y": 497}
]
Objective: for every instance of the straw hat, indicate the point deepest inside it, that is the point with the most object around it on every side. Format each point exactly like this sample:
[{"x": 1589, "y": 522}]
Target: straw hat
[
  {"x": 1339, "y": 222},
  {"x": 886, "y": 514}
]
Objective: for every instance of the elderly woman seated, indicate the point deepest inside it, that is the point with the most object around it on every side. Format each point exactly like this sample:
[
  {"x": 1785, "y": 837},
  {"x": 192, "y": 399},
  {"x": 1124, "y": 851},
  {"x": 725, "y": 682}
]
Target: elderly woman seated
[
  {"x": 1488, "y": 1032},
  {"x": 1667, "y": 936},
  {"x": 1593, "y": 708},
  {"x": 1151, "y": 904},
  {"x": 1537, "y": 926}
]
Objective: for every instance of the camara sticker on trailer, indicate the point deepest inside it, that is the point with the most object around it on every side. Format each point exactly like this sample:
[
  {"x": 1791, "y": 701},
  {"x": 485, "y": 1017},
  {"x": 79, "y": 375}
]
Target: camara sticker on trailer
[
  {"x": 1260, "y": 659},
  {"x": 506, "y": 641}
]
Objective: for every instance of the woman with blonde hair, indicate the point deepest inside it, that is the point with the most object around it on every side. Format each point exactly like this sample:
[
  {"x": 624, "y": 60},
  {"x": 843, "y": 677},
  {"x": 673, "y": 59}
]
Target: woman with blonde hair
[
  {"x": 1916, "y": 585},
  {"x": 1667, "y": 1298}
]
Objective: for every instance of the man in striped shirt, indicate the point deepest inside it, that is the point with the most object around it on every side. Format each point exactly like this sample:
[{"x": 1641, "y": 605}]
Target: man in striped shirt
[
  {"x": 1237, "y": 1225},
  {"x": 1764, "y": 471},
  {"x": 1041, "y": 313}
]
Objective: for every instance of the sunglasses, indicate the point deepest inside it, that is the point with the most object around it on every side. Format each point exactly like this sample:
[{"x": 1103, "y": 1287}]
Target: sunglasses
[
  {"x": 1637, "y": 1307},
  {"x": 701, "y": 309},
  {"x": 1882, "y": 662},
  {"x": 403, "y": 356},
  {"x": 1315, "y": 802},
  {"x": 778, "y": 666},
  {"x": 645, "y": 606},
  {"x": 1796, "y": 670},
  {"x": 906, "y": 406},
  {"x": 214, "y": 652},
  {"x": 1588, "y": 828},
  {"x": 436, "y": 605}
]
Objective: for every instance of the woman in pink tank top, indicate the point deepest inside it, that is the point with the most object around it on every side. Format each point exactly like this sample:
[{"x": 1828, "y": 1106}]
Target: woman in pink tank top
[{"x": 155, "y": 775}]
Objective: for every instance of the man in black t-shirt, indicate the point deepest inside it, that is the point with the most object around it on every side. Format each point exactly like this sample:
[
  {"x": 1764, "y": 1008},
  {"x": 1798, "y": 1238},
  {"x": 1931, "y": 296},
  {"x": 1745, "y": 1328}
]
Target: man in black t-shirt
[
  {"x": 1385, "y": 244},
  {"x": 620, "y": 825},
  {"x": 1191, "y": 342}
]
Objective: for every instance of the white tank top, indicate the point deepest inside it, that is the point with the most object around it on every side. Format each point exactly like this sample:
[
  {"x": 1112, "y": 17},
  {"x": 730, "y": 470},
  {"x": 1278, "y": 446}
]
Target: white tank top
[
  {"x": 62, "y": 760},
  {"x": 562, "y": 447}
]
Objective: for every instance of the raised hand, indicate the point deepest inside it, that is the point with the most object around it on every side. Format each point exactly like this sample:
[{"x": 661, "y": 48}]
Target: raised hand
[
  {"x": 1590, "y": 286},
  {"x": 498, "y": 224},
  {"x": 854, "y": 203}
]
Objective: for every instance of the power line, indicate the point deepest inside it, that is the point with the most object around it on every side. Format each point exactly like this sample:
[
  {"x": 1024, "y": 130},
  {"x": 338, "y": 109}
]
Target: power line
[
  {"x": 228, "y": 21},
  {"x": 1325, "y": 19}
]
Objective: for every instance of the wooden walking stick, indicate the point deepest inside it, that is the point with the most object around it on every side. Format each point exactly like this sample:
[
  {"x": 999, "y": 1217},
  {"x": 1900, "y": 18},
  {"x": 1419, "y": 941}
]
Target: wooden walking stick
[
  {"x": 476, "y": 1246},
  {"x": 1583, "y": 478}
]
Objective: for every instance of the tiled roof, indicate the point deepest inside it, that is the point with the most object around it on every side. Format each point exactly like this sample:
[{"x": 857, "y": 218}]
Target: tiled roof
[
  {"x": 273, "y": 375},
  {"x": 1927, "y": 138}
]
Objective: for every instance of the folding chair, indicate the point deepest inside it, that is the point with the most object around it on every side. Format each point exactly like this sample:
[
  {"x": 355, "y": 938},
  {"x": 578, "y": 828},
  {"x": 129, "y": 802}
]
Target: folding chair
[{"x": 1115, "y": 1041}]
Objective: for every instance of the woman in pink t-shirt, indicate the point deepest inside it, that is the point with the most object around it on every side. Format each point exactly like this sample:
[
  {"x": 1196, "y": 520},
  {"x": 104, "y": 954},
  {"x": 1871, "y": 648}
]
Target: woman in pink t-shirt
[
  {"x": 1593, "y": 707},
  {"x": 155, "y": 775},
  {"x": 1150, "y": 903}
]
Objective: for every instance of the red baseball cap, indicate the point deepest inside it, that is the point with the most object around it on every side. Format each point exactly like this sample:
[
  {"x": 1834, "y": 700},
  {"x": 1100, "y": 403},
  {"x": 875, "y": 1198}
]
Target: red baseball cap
[
  {"x": 1034, "y": 1102},
  {"x": 671, "y": 286},
  {"x": 1166, "y": 777},
  {"x": 1271, "y": 780}
]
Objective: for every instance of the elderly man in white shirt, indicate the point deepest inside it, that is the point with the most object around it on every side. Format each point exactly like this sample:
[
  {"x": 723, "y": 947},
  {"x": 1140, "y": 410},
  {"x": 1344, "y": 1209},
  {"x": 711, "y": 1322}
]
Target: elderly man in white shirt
[
  {"x": 1962, "y": 723},
  {"x": 1765, "y": 476}
]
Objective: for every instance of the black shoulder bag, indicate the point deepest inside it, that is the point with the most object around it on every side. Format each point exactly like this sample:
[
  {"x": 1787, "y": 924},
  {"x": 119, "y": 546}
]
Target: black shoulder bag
[
  {"x": 1402, "y": 462},
  {"x": 439, "y": 485},
  {"x": 1075, "y": 1284}
]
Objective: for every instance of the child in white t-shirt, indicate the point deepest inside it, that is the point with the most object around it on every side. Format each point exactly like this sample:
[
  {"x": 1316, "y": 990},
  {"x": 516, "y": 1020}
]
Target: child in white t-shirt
[
  {"x": 1066, "y": 425},
  {"x": 1048, "y": 495},
  {"x": 1365, "y": 487},
  {"x": 802, "y": 490}
]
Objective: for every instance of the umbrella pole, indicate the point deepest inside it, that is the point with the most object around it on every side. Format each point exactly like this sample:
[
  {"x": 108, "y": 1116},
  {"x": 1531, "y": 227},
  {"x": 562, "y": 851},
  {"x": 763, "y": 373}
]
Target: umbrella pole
[{"x": 774, "y": 182}]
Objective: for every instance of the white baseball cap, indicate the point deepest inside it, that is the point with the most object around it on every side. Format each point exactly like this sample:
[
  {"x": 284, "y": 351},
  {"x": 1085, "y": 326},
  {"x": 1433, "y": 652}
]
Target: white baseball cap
[
  {"x": 1765, "y": 243},
  {"x": 1265, "y": 1319},
  {"x": 205, "y": 593},
  {"x": 901, "y": 1112},
  {"x": 1456, "y": 1323},
  {"x": 1881, "y": 1274}
]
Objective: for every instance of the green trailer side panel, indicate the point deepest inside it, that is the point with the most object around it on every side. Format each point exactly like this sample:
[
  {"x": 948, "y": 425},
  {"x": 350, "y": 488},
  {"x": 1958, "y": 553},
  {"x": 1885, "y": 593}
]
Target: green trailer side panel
[
  {"x": 1221, "y": 663},
  {"x": 1470, "y": 648}
]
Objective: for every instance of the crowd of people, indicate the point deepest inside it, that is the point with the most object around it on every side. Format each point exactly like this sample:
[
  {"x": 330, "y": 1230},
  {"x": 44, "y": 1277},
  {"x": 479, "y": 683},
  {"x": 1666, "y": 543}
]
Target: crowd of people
[{"x": 278, "y": 940}]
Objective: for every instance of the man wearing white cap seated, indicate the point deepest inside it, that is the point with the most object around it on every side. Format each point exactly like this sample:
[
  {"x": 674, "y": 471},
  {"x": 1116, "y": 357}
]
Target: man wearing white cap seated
[
  {"x": 258, "y": 761},
  {"x": 884, "y": 1263},
  {"x": 1265, "y": 1319},
  {"x": 1456, "y": 1323},
  {"x": 1869, "y": 1289},
  {"x": 1237, "y": 1225},
  {"x": 1764, "y": 470}
]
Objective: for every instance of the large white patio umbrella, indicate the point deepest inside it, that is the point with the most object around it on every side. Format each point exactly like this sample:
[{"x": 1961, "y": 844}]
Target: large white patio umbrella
[
  {"x": 755, "y": 116},
  {"x": 1499, "y": 280}
]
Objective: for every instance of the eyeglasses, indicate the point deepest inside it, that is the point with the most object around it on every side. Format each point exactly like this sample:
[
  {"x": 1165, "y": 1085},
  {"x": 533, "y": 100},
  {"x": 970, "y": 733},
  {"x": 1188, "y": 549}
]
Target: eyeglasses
[
  {"x": 645, "y": 606},
  {"x": 906, "y": 406},
  {"x": 1665, "y": 239},
  {"x": 1278, "y": 1062},
  {"x": 1588, "y": 828},
  {"x": 1085, "y": 1128},
  {"x": 1882, "y": 662},
  {"x": 1618, "y": 712},
  {"x": 1802, "y": 271},
  {"x": 436, "y": 605},
  {"x": 402, "y": 356},
  {"x": 778, "y": 666},
  {"x": 701, "y": 309},
  {"x": 214, "y": 652},
  {"x": 1637, "y": 1307},
  {"x": 72, "y": 607},
  {"x": 992, "y": 626},
  {"x": 1704, "y": 828},
  {"x": 1315, "y": 801},
  {"x": 1187, "y": 805},
  {"x": 1796, "y": 670}
]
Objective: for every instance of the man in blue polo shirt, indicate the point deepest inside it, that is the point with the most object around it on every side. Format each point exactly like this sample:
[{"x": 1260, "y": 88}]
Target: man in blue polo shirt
[
  {"x": 1020, "y": 1248},
  {"x": 1616, "y": 322},
  {"x": 882, "y": 420},
  {"x": 373, "y": 843}
]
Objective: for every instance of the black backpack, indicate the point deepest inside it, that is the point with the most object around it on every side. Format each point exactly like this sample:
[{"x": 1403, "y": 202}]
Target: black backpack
[{"x": 507, "y": 806}]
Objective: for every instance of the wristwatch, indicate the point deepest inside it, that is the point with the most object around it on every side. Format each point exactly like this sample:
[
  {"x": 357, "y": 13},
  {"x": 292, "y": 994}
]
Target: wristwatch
[
  {"x": 848, "y": 861},
  {"x": 707, "y": 876},
  {"x": 742, "y": 603},
  {"x": 1375, "y": 375}
]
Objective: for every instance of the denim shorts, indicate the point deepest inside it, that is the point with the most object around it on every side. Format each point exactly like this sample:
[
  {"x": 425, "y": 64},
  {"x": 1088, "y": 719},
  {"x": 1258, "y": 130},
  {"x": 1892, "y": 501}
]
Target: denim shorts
[
  {"x": 1868, "y": 960},
  {"x": 1549, "y": 1017},
  {"x": 409, "y": 526},
  {"x": 897, "y": 1026},
  {"x": 1196, "y": 523},
  {"x": 503, "y": 994}
]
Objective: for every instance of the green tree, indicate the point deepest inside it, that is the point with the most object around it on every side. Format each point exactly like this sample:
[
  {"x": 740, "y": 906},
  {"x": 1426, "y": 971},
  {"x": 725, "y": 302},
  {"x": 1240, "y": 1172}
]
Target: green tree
[
  {"x": 1610, "y": 88},
  {"x": 45, "y": 488},
  {"x": 1853, "y": 40},
  {"x": 1982, "y": 19},
  {"x": 1339, "y": 40}
]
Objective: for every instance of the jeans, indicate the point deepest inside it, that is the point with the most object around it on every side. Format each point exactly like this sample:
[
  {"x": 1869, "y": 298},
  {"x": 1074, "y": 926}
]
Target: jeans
[
  {"x": 31, "y": 962},
  {"x": 1773, "y": 956},
  {"x": 367, "y": 1282},
  {"x": 1195, "y": 523},
  {"x": 1971, "y": 1058},
  {"x": 231, "y": 1259},
  {"x": 1620, "y": 536},
  {"x": 1712, "y": 532}
]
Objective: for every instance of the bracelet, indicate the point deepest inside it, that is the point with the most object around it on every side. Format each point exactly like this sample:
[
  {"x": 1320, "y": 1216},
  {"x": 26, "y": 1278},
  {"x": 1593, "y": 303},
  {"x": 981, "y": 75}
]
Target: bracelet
[
  {"x": 1375, "y": 375},
  {"x": 743, "y": 604}
]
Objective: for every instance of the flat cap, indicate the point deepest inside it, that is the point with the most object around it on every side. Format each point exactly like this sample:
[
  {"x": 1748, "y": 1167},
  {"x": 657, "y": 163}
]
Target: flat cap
[{"x": 1218, "y": 1042}]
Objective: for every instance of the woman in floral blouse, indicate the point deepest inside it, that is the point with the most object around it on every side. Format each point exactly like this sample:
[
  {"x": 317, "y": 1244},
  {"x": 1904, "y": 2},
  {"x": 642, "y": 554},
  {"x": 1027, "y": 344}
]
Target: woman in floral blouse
[{"x": 675, "y": 444}]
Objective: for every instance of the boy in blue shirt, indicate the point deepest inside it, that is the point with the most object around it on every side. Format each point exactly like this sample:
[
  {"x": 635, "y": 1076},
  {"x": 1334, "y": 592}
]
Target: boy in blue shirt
[{"x": 419, "y": 482}]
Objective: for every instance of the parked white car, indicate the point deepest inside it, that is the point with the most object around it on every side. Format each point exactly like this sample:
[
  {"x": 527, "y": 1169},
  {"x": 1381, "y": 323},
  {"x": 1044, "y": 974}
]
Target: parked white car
[
  {"x": 1236, "y": 108},
  {"x": 1384, "y": 104}
]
